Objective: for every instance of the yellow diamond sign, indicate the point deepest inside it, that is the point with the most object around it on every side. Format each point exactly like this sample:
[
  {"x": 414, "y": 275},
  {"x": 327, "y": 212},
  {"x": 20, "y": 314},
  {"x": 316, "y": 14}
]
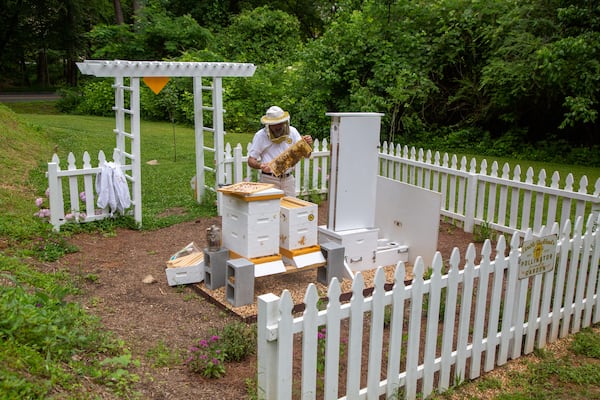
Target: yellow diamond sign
[{"x": 156, "y": 83}]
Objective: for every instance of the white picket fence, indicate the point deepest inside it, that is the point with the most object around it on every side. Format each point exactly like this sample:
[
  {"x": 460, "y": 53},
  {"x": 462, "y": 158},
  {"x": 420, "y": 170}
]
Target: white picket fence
[
  {"x": 500, "y": 200},
  {"x": 82, "y": 195},
  {"x": 442, "y": 331}
]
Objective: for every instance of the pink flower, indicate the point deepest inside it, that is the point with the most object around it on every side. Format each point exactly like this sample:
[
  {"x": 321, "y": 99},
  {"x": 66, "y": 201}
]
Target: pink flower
[
  {"x": 69, "y": 216},
  {"x": 82, "y": 196},
  {"x": 39, "y": 201},
  {"x": 42, "y": 213}
]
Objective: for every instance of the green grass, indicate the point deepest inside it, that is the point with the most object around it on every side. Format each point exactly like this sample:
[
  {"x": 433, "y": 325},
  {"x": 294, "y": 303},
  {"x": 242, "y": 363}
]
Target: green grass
[{"x": 572, "y": 374}]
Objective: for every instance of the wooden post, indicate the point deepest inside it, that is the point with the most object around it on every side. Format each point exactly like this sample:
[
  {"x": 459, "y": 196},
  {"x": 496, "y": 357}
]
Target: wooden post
[{"x": 268, "y": 317}]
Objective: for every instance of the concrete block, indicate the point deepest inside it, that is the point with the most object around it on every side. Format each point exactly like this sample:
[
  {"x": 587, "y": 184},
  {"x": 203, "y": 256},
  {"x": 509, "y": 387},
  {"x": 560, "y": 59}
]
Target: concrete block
[
  {"x": 334, "y": 255},
  {"x": 215, "y": 263},
  {"x": 240, "y": 282}
]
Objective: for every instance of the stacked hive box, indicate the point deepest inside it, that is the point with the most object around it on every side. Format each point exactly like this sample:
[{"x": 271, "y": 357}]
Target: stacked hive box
[
  {"x": 298, "y": 233},
  {"x": 298, "y": 224},
  {"x": 251, "y": 223}
]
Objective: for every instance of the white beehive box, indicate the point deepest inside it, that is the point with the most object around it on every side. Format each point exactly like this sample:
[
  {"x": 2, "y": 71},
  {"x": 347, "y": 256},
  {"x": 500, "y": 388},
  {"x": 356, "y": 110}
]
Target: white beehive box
[
  {"x": 248, "y": 205},
  {"x": 360, "y": 246},
  {"x": 298, "y": 224},
  {"x": 250, "y": 224},
  {"x": 185, "y": 275}
]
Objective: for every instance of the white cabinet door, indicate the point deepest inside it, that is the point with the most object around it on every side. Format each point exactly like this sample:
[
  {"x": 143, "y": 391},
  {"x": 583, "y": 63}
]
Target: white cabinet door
[{"x": 353, "y": 174}]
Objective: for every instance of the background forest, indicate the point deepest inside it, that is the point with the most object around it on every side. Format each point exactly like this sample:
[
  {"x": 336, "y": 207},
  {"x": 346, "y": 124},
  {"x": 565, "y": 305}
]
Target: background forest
[{"x": 518, "y": 78}]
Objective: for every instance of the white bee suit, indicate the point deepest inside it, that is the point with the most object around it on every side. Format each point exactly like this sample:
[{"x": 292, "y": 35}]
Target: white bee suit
[{"x": 112, "y": 189}]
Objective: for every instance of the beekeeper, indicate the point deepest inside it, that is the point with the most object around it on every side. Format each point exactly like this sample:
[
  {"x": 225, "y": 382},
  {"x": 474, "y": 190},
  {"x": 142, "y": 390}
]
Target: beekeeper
[{"x": 269, "y": 142}]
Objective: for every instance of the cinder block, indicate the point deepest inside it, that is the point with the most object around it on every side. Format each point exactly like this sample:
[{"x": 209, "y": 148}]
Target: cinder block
[
  {"x": 334, "y": 255},
  {"x": 214, "y": 268},
  {"x": 360, "y": 246},
  {"x": 240, "y": 282}
]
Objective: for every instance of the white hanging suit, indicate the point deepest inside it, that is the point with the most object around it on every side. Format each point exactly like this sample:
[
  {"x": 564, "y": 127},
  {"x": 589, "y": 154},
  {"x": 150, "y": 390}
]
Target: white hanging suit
[{"x": 112, "y": 189}]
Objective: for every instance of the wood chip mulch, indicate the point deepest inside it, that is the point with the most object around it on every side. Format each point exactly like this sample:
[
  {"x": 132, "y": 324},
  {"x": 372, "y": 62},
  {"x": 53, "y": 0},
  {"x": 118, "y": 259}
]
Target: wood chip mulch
[{"x": 296, "y": 283}]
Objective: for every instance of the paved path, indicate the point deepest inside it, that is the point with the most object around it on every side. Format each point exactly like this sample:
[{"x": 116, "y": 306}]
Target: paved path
[{"x": 19, "y": 97}]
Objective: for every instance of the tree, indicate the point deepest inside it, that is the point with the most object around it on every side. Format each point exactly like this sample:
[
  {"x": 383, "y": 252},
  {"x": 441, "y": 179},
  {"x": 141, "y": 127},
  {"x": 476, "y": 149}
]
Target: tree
[
  {"x": 154, "y": 36},
  {"x": 47, "y": 34},
  {"x": 119, "y": 20},
  {"x": 261, "y": 36}
]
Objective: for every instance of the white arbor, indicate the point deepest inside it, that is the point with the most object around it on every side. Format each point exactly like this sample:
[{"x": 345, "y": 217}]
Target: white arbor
[{"x": 127, "y": 76}]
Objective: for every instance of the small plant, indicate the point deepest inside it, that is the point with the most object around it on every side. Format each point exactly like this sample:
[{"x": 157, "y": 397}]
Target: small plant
[
  {"x": 190, "y": 297},
  {"x": 251, "y": 388},
  {"x": 586, "y": 343},
  {"x": 52, "y": 247},
  {"x": 314, "y": 196},
  {"x": 43, "y": 211},
  {"x": 92, "y": 278},
  {"x": 387, "y": 316},
  {"x": 161, "y": 355},
  {"x": 238, "y": 341},
  {"x": 207, "y": 358},
  {"x": 321, "y": 349},
  {"x": 483, "y": 232}
]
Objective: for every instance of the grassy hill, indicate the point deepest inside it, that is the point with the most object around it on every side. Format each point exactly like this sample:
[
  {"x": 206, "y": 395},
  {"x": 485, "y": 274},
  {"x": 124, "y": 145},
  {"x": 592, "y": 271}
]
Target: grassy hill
[
  {"x": 47, "y": 344},
  {"x": 24, "y": 147}
]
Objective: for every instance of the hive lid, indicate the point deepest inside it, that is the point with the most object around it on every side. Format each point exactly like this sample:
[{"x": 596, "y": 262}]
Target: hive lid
[
  {"x": 292, "y": 202},
  {"x": 245, "y": 188}
]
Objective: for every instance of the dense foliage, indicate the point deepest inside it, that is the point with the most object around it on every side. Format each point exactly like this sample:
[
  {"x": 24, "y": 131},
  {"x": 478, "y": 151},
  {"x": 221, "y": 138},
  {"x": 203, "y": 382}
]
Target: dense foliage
[{"x": 501, "y": 77}]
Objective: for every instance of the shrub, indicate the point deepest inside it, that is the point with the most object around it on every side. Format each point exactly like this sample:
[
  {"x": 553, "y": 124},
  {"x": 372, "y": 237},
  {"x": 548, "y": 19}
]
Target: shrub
[
  {"x": 207, "y": 358},
  {"x": 235, "y": 342},
  {"x": 98, "y": 98},
  {"x": 238, "y": 341}
]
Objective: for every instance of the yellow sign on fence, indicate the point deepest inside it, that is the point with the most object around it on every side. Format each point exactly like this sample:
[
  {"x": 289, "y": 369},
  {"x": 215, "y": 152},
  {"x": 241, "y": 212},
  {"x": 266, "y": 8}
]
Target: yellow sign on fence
[{"x": 537, "y": 256}]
